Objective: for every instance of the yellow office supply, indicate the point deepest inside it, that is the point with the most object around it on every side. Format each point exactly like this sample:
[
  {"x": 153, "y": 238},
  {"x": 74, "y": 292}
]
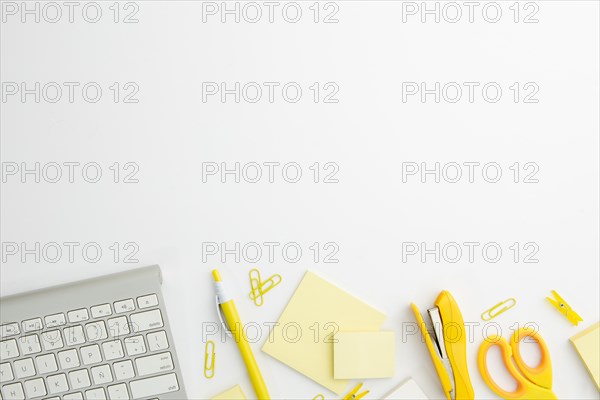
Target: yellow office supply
[
  {"x": 498, "y": 309},
  {"x": 587, "y": 344},
  {"x": 303, "y": 338},
  {"x": 235, "y": 393},
  {"x": 260, "y": 287},
  {"x": 209, "y": 359},
  {"x": 448, "y": 347},
  {"x": 363, "y": 355},
  {"x": 532, "y": 383},
  {"x": 354, "y": 395},
  {"x": 564, "y": 308},
  {"x": 235, "y": 326},
  {"x": 408, "y": 390},
  {"x": 319, "y": 397}
]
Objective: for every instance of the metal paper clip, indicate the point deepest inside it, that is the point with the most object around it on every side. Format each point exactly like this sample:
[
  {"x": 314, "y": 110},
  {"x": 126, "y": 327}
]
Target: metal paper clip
[
  {"x": 260, "y": 287},
  {"x": 498, "y": 309},
  {"x": 564, "y": 308},
  {"x": 209, "y": 352}
]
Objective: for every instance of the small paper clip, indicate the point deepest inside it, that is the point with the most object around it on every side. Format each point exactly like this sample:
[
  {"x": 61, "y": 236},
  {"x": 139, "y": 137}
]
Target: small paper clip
[
  {"x": 498, "y": 309},
  {"x": 260, "y": 287},
  {"x": 354, "y": 395},
  {"x": 319, "y": 397},
  {"x": 564, "y": 308},
  {"x": 209, "y": 352}
]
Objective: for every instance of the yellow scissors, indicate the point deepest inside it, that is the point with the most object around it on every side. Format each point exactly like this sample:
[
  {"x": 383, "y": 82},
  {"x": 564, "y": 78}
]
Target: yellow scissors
[{"x": 532, "y": 383}]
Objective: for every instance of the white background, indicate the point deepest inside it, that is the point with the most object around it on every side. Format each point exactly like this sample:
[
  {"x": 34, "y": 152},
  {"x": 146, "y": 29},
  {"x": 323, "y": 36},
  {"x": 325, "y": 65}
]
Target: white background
[{"x": 369, "y": 133}]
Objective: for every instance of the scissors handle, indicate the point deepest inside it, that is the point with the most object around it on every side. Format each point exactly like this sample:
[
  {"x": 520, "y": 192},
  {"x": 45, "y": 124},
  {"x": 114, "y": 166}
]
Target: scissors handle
[
  {"x": 541, "y": 375},
  {"x": 527, "y": 388}
]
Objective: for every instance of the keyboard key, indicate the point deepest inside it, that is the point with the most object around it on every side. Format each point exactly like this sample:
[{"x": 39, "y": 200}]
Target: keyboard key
[
  {"x": 68, "y": 359},
  {"x": 9, "y": 330},
  {"x": 46, "y": 363},
  {"x": 24, "y": 368},
  {"x": 78, "y": 315},
  {"x": 32, "y": 325},
  {"x": 113, "y": 350},
  {"x": 79, "y": 379},
  {"x": 118, "y": 392},
  {"x": 154, "y": 364},
  {"x": 8, "y": 350},
  {"x": 73, "y": 396},
  {"x": 157, "y": 341},
  {"x": 91, "y": 354},
  {"x": 52, "y": 340},
  {"x": 150, "y": 300},
  {"x": 57, "y": 383},
  {"x": 101, "y": 311},
  {"x": 123, "y": 370},
  {"x": 124, "y": 306},
  {"x": 147, "y": 320},
  {"x": 30, "y": 345},
  {"x": 35, "y": 388},
  {"x": 95, "y": 394},
  {"x": 96, "y": 331},
  {"x": 102, "y": 375},
  {"x": 154, "y": 386},
  {"x": 135, "y": 345},
  {"x": 6, "y": 373},
  {"x": 118, "y": 327},
  {"x": 13, "y": 391},
  {"x": 55, "y": 320},
  {"x": 74, "y": 335}
]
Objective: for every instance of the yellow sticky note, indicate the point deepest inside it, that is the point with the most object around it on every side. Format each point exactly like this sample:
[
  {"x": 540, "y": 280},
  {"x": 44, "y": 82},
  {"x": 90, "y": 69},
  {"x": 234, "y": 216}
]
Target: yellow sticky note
[
  {"x": 363, "y": 355},
  {"x": 235, "y": 393},
  {"x": 587, "y": 344},
  {"x": 303, "y": 338}
]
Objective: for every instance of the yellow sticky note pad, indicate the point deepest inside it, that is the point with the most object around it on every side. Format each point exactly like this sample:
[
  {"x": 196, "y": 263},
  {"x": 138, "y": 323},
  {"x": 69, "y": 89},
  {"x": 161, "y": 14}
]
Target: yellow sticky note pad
[
  {"x": 363, "y": 355},
  {"x": 303, "y": 337},
  {"x": 235, "y": 393},
  {"x": 587, "y": 344}
]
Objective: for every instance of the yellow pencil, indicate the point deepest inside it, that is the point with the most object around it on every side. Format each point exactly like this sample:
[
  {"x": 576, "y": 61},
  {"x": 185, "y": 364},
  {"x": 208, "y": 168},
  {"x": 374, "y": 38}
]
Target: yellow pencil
[{"x": 237, "y": 329}]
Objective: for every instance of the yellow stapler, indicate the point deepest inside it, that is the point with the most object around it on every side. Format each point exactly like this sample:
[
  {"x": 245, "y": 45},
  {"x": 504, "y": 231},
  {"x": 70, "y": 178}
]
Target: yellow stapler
[{"x": 448, "y": 348}]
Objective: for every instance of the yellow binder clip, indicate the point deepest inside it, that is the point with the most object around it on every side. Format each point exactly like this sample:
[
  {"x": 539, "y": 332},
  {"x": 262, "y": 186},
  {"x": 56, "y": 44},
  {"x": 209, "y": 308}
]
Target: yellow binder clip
[
  {"x": 260, "y": 287},
  {"x": 354, "y": 395},
  {"x": 209, "y": 359},
  {"x": 564, "y": 308},
  {"x": 498, "y": 309}
]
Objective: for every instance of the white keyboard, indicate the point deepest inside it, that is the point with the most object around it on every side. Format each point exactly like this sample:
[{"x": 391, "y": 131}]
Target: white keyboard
[{"x": 117, "y": 348}]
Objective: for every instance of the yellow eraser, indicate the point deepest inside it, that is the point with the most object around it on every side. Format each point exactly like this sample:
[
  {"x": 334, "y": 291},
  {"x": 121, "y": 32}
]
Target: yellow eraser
[
  {"x": 587, "y": 344},
  {"x": 363, "y": 355},
  {"x": 235, "y": 393}
]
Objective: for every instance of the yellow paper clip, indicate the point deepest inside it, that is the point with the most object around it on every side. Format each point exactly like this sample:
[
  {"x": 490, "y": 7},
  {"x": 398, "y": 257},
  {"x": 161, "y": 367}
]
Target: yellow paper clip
[
  {"x": 209, "y": 352},
  {"x": 354, "y": 395},
  {"x": 319, "y": 397},
  {"x": 498, "y": 309},
  {"x": 260, "y": 287},
  {"x": 564, "y": 308}
]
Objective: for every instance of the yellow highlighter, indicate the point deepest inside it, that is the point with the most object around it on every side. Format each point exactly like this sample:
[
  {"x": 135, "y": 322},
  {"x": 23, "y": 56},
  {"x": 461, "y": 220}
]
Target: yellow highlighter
[
  {"x": 448, "y": 347},
  {"x": 226, "y": 305}
]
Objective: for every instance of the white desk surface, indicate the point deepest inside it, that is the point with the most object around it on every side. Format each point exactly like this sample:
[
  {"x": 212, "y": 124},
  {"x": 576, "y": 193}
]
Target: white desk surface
[{"x": 368, "y": 134}]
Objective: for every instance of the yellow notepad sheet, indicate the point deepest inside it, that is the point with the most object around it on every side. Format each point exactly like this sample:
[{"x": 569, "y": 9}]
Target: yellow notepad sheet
[
  {"x": 235, "y": 393},
  {"x": 409, "y": 390},
  {"x": 363, "y": 355},
  {"x": 587, "y": 344},
  {"x": 303, "y": 338}
]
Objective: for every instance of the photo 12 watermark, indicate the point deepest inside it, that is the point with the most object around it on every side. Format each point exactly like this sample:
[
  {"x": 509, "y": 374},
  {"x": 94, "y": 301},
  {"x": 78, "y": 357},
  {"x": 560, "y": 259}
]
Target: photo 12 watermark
[
  {"x": 288, "y": 92},
  {"x": 270, "y": 172},
  {"x": 271, "y": 252},
  {"x": 71, "y": 252},
  {"x": 453, "y": 12},
  {"x": 69, "y": 172},
  {"x": 469, "y": 252},
  {"x": 489, "y": 92},
  {"x": 254, "y": 12},
  {"x": 469, "y": 172},
  {"x": 88, "y": 92},
  {"x": 70, "y": 12}
]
